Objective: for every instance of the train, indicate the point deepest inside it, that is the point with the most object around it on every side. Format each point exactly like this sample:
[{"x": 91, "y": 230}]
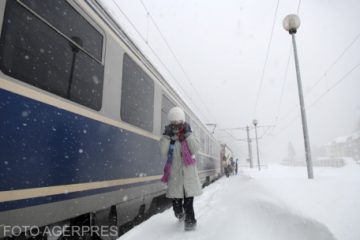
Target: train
[{"x": 82, "y": 111}]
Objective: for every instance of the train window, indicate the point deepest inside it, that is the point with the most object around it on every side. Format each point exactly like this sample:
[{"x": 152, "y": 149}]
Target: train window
[
  {"x": 206, "y": 144},
  {"x": 43, "y": 48},
  {"x": 197, "y": 132},
  {"x": 68, "y": 21},
  {"x": 202, "y": 140},
  {"x": 195, "y": 129},
  {"x": 137, "y": 95},
  {"x": 187, "y": 119},
  {"x": 166, "y": 105}
]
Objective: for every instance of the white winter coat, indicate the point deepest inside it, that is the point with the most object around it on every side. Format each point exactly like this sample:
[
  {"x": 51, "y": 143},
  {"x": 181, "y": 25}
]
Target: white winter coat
[{"x": 184, "y": 180}]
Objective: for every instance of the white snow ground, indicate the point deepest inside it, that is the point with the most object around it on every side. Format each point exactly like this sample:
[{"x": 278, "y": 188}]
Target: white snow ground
[{"x": 273, "y": 204}]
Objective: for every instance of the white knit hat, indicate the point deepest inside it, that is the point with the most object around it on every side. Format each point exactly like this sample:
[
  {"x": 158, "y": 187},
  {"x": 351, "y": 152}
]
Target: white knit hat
[{"x": 176, "y": 114}]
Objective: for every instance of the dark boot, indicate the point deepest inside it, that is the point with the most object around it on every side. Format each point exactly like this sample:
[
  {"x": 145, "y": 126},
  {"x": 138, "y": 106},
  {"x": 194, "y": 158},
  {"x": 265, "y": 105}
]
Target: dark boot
[
  {"x": 190, "y": 221},
  {"x": 178, "y": 208},
  {"x": 190, "y": 225},
  {"x": 180, "y": 216}
]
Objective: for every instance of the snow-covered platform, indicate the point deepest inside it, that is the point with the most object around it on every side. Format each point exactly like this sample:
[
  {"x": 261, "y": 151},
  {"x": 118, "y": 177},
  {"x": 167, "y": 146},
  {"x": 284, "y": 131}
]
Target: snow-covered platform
[{"x": 276, "y": 203}]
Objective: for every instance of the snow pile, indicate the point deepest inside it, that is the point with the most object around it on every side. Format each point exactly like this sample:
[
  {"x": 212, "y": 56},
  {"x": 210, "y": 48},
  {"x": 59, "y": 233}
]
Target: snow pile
[
  {"x": 332, "y": 198},
  {"x": 276, "y": 203}
]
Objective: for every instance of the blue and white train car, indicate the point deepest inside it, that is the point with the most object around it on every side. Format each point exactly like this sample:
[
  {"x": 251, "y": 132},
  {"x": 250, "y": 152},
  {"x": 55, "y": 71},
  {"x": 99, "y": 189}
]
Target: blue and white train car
[{"x": 81, "y": 114}]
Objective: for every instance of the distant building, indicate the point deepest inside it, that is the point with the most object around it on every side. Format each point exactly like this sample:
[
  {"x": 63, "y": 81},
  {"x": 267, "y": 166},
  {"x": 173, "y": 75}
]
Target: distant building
[
  {"x": 346, "y": 146},
  {"x": 320, "y": 151},
  {"x": 332, "y": 154}
]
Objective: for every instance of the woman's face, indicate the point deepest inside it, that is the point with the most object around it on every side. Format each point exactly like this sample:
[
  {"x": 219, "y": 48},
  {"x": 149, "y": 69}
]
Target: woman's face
[{"x": 177, "y": 124}]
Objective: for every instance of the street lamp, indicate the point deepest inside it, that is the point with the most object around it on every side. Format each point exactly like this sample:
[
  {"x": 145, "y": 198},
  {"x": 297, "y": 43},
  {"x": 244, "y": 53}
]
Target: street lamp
[
  {"x": 255, "y": 122},
  {"x": 291, "y": 23}
]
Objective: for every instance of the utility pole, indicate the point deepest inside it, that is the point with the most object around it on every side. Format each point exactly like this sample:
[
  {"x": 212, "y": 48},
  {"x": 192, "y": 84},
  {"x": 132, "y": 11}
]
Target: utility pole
[
  {"x": 248, "y": 139},
  {"x": 249, "y": 146},
  {"x": 255, "y": 122}
]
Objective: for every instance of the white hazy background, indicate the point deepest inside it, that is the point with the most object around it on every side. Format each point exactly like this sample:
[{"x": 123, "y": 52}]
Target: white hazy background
[{"x": 235, "y": 53}]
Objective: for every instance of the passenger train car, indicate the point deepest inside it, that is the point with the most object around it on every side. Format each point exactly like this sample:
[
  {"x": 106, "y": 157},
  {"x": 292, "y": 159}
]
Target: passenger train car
[{"x": 82, "y": 111}]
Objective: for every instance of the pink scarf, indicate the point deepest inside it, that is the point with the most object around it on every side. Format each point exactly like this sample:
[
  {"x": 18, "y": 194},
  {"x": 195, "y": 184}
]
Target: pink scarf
[{"x": 187, "y": 158}]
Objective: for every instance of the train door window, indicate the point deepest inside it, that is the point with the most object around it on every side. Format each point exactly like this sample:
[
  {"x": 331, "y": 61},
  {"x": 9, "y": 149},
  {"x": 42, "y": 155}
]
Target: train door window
[
  {"x": 195, "y": 129},
  {"x": 166, "y": 105},
  {"x": 206, "y": 144},
  {"x": 209, "y": 146},
  {"x": 197, "y": 132},
  {"x": 187, "y": 119},
  {"x": 202, "y": 140},
  {"x": 137, "y": 96},
  {"x": 49, "y": 45}
]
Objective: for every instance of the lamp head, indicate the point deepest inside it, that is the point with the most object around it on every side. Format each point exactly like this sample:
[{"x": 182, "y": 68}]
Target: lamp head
[
  {"x": 291, "y": 23},
  {"x": 255, "y": 122}
]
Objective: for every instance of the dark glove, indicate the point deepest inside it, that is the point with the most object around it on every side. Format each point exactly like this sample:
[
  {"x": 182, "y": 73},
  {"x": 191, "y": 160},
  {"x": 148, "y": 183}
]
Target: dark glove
[
  {"x": 187, "y": 128},
  {"x": 168, "y": 131},
  {"x": 174, "y": 137}
]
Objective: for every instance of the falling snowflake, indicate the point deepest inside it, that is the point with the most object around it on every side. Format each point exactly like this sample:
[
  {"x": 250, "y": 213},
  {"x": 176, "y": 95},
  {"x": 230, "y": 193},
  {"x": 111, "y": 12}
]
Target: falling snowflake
[
  {"x": 95, "y": 79},
  {"x": 25, "y": 113}
]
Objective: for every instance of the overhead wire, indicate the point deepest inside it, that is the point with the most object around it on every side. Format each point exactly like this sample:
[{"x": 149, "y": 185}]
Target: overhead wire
[
  {"x": 266, "y": 59},
  {"x": 180, "y": 65},
  {"x": 298, "y": 7},
  {"x": 175, "y": 57},
  {"x": 157, "y": 56},
  {"x": 332, "y": 65},
  {"x": 283, "y": 86},
  {"x": 327, "y": 91},
  {"x": 285, "y": 78},
  {"x": 335, "y": 84},
  {"x": 323, "y": 76}
]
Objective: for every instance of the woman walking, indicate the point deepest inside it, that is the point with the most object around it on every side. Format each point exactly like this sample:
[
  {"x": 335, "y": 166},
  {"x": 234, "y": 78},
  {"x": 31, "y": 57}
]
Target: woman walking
[{"x": 179, "y": 146}]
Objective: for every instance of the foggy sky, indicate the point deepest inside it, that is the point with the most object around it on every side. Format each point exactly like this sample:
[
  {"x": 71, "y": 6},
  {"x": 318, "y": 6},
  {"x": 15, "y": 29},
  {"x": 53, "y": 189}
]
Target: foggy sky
[{"x": 222, "y": 46}]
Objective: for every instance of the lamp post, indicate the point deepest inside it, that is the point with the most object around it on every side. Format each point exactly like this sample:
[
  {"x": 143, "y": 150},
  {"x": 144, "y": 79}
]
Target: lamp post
[
  {"x": 255, "y": 122},
  {"x": 291, "y": 23},
  {"x": 249, "y": 147}
]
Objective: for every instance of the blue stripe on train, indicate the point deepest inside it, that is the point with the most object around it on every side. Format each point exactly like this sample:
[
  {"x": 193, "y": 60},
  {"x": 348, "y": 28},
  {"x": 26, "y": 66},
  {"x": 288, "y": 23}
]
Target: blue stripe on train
[
  {"x": 60, "y": 197},
  {"x": 41, "y": 145}
]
